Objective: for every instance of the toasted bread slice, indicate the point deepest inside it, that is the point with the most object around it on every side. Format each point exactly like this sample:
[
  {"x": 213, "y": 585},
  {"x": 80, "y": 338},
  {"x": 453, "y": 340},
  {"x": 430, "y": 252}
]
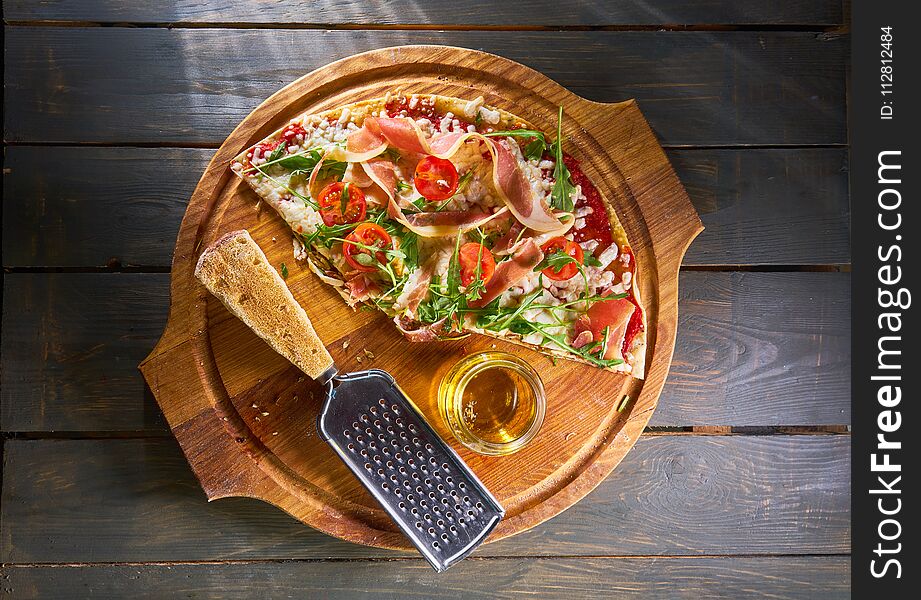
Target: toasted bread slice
[{"x": 236, "y": 270}]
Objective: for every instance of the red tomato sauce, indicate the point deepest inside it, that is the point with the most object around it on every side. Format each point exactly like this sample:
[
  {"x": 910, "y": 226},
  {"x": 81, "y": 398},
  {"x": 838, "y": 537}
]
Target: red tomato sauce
[
  {"x": 424, "y": 108},
  {"x": 598, "y": 227}
]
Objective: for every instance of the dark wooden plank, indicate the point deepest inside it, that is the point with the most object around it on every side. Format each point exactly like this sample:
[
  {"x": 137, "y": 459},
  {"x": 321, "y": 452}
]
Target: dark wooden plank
[
  {"x": 760, "y": 349},
  {"x": 403, "y": 12},
  {"x": 808, "y": 577},
  {"x": 775, "y": 206},
  {"x": 767, "y": 207},
  {"x": 82, "y": 207},
  {"x": 192, "y": 86},
  {"x": 137, "y": 500},
  {"x": 752, "y": 349},
  {"x": 71, "y": 345}
]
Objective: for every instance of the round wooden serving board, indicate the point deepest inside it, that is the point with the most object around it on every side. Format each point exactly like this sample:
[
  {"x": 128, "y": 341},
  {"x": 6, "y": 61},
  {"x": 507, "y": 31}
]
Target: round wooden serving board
[{"x": 245, "y": 417}]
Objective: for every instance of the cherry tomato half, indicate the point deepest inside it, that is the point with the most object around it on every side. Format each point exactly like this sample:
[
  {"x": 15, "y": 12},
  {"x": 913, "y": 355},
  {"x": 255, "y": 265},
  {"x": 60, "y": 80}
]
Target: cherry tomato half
[
  {"x": 435, "y": 178},
  {"x": 569, "y": 247},
  {"x": 291, "y": 131},
  {"x": 337, "y": 210},
  {"x": 467, "y": 257},
  {"x": 371, "y": 235}
]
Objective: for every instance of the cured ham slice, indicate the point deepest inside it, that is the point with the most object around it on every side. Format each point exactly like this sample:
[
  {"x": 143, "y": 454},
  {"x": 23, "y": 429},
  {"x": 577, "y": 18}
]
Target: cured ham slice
[
  {"x": 613, "y": 315},
  {"x": 517, "y": 194},
  {"x": 404, "y": 134},
  {"x": 510, "y": 272},
  {"x": 360, "y": 287},
  {"x": 365, "y": 143},
  {"x": 449, "y": 222}
]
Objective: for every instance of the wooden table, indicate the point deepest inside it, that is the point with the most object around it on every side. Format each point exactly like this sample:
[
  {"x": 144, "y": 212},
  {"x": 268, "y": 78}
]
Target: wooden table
[{"x": 740, "y": 486}]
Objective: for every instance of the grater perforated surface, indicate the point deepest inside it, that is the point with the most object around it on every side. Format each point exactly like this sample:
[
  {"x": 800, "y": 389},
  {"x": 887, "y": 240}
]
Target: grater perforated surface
[{"x": 426, "y": 488}]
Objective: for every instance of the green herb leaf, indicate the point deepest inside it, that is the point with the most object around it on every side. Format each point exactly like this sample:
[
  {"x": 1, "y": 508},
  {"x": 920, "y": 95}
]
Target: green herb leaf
[
  {"x": 561, "y": 194},
  {"x": 344, "y": 198},
  {"x": 556, "y": 261},
  {"x": 534, "y": 150},
  {"x": 420, "y": 203},
  {"x": 591, "y": 260},
  {"x": 365, "y": 259},
  {"x": 478, "y": 119},
  {"x": 453, "y": 281},
  {"x": 518, "y": 133},
  {"x": 393, "y": 154},
  {"x": 409, "y": 244},
  {"x": 284, "y": 271},
  {"x": 585, "y": 352},
  {"x": 277, "y": 153},
  {"x": 402, "y": 186}
]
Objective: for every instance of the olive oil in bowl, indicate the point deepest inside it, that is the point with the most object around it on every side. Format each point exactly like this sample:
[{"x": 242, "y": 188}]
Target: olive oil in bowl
[{"x": 493, "y": 402}]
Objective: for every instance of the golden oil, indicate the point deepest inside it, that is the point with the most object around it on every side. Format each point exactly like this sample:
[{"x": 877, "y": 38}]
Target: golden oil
[{"x": 493, "y": 402}]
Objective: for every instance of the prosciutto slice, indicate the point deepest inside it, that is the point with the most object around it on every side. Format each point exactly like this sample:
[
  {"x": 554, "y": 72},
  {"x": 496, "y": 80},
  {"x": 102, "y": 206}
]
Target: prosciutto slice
[
  {"x": 360, "y": 287},
  {"x": 415, "y": 331},
  {"x": 513, "y": 188},
  {"x": 613, "y": 315},
  {"x": 510, "y": 272},
  {"x": 365, "y": 143},
  {"x": 449, "y": 222}
]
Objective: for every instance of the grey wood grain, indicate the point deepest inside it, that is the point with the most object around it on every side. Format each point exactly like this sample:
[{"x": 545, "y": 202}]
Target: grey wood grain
[
  {"x": 137, "y": 500},
  {"x": 192, "y": 86},
  {"x": 403, "y": 12},
  {"x": 104, "y": 206},
  {"x": 776, "y": 578},
  {"x": 752, "y": 349}
]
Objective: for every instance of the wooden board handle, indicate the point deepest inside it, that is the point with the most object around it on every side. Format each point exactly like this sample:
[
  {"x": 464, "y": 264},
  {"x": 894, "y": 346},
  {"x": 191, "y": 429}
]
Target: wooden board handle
[{"x": 236, "y": 270}]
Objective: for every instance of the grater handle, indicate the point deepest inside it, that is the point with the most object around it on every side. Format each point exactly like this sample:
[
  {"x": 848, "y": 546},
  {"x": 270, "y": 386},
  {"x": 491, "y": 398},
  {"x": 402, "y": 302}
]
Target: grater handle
[{"x": 236, "y": 270}]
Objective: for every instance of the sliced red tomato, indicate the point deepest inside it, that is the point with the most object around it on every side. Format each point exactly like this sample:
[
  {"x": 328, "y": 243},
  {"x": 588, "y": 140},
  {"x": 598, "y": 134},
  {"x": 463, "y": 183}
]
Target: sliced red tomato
[
  {"x": 624, "y": 263},
  {"x": 467, "y": 260},
  {"x": 436, "y": 178},
  {"x": 337, "y": 210},
  {"x": 368, "y": 235},
  {"x": 570, "y": 248},
  {"x": 289, "y": 133}
]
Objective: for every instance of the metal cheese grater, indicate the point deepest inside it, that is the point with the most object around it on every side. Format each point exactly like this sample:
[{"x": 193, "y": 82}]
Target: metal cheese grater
[
  {"x": 372, "y": 425},
  {"x": 424, "y": 486}
]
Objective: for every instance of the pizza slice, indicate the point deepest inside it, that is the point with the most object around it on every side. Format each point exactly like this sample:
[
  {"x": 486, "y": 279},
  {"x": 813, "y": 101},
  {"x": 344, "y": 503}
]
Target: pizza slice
[{"x": 451, "y": 217}]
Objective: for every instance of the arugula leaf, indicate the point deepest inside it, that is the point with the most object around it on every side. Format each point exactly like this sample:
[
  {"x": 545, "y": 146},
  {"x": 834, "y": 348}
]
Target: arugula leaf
[
  {"x": 585, "y": 352},
  {"x": 561, "y": 194},
  {"x": 518, "y": 133},
  {"x": 420, "y": 203},
  {"x": 277, "y": 153},
  {"x": 409, "y": 244},
  {"x": 506, "y": 318},
  {"x": 453, "y": 281},
  {"x": 284, "y": 271},
  {"x": 392, "y": 153},
  {"x": 303, "y": 163},
  {"x": 344, "y": 198},
  {"x": 478, "y": 119},
  {"x": 591, "y": 260},
  {"x": 533, "y": 150},
  {"x": 557, "y": 261},
  {"x": 402, "y": 186},
  {"x": 461, "y": 184}
]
